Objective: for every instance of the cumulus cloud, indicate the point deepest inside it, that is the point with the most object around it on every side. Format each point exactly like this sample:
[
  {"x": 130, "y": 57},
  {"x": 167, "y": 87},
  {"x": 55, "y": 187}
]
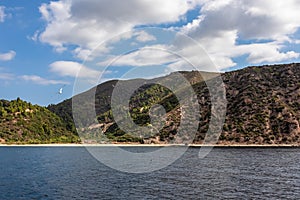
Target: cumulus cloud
[
  {"x": 255, "y": 19},
  {"x": 73, "y": 69},
  {"x": 226, "y": 29},
  {"x": 41, "y": 81},
  {"x": 266, "y": 52},
  {"x": 222, "y": 24},
  {"x": 2, "y": 13},
  {"x": 88, "y": 23},
  {"x": 176, "y": 57},
  {"x": 7, "y": 56}
]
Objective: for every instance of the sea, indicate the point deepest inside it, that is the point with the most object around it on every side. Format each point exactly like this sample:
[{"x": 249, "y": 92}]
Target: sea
[{"x": 225, "y": 173}]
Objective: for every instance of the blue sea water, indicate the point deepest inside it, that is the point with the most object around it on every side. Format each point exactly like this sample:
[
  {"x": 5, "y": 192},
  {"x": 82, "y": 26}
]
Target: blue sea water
[{"x": 226, "y": 173}]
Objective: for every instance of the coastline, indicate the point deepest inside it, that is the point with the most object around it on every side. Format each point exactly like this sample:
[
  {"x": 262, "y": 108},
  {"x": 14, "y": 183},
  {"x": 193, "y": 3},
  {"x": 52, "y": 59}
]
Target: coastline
[{"x": 153, "y": 145}]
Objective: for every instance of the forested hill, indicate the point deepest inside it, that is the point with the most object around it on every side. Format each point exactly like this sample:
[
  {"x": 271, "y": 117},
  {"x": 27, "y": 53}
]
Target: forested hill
[
  {"x": 22, "y": 122},
  {"x": 263, "y": 107}
]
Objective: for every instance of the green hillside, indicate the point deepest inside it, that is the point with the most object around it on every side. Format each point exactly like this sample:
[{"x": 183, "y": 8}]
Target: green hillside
[
  {"x": 22, "y": 122},
  {"x": 263, "y": 107}
]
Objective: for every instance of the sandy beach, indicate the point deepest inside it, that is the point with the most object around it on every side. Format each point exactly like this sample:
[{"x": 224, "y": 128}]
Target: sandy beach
[{"x": 148, "y": 145}]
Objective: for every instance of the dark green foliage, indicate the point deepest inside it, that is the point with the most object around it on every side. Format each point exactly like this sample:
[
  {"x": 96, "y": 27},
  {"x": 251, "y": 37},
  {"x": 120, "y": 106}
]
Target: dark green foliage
[{"x": 22, "y": 122}]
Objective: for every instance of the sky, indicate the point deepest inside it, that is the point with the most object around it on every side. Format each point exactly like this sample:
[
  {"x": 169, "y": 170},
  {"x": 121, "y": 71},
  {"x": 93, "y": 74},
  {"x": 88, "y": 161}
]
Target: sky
[{"x": 76, "y": 44}]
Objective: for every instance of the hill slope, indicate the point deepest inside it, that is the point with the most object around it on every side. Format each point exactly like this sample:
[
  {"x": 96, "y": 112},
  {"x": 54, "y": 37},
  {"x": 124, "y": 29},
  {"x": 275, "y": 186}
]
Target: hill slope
[
  {"x": 263, "y": 107},
  {"x": 22, "y": 122}
]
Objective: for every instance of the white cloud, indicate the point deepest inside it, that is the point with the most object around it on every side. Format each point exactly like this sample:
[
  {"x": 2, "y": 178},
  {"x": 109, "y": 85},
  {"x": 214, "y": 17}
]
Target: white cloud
[
  {"x": 2, "y": 13},
  {"x": 41, "y": 81},
  {"x": 88, "y": 23},
  {"x": 265, "y": 26},
  {"x": 256, "y": 19},
  {"x": 226, "y": 29},
  {"x": 143, "y": 36},
  {"x": 149, "y": 55},
  {"x": 83, "y": 54},
  {"x": 73, "y": 69},
  {"x": 7, "y": 56},
  {"x": 214, "y": 4},
  {"x": 269, "y": 52}
]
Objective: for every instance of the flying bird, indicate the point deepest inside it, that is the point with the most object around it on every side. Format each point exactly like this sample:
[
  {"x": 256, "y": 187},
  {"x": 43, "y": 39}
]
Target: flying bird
[{"x": 60, "y": 91}]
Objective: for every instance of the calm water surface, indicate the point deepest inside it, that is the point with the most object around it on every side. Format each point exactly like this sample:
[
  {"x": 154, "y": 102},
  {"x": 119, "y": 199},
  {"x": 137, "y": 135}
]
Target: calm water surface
[{"x": 226, "y": 173}]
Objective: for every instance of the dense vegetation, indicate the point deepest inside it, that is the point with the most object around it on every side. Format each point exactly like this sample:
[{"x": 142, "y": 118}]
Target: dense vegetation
[
  {"x": 22, "y": 122},
  {"x": 263, "y": 108},
  {"x": 263, "y": 105}
]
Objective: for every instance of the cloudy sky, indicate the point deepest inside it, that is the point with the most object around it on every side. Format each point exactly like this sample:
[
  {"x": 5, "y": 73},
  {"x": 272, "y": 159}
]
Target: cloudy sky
[{"x": 46, "y": 45}]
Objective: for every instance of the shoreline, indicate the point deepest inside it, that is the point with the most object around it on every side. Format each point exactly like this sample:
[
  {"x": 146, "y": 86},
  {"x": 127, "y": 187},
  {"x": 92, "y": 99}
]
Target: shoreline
[{"x": 152, "y": 145}]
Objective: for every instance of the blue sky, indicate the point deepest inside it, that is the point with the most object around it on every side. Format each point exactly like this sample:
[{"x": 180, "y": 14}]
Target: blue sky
[{"x": 46, "y": 45}]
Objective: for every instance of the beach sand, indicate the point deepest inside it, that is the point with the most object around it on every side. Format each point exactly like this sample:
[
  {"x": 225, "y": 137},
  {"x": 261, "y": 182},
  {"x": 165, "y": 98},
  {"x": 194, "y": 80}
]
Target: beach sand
[{"x": 148, "y": 145}]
